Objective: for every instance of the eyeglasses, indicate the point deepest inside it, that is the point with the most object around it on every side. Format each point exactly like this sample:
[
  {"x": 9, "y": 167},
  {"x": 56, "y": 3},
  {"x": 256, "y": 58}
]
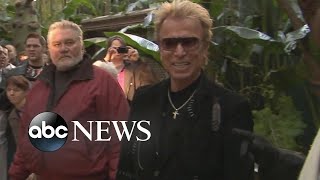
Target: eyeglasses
[{"x": 188, "y": 43}]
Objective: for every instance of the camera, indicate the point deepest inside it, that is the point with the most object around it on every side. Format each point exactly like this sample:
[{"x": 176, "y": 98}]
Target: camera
[{"x": 122, "y": 50}]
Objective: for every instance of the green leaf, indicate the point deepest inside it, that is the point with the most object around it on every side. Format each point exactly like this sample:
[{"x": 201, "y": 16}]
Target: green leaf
[
  {"x": 73, "y": 5},
  {"x": 11, "y": 10},
  {"x": 216, "y": 8},
  {"x": 100, "y": 41},
  {"x": 98, "y": 53},
  {"x": 133, "y": 6},
  {"x": 134, "y": 26},
  {"x": 287, "y": 77},
  {"x": 234, "y": 40},
  {"x": 148, "y": 19},
  {"x": 281, "y": 124},
  {"x": 244, "y": 32}
]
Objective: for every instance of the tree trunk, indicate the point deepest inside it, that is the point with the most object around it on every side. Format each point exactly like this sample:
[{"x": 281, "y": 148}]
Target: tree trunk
[
  {"x": 311, "y": 13},
  {"x": 25, "y": 22},
  {"x": 107, "y": 9}
]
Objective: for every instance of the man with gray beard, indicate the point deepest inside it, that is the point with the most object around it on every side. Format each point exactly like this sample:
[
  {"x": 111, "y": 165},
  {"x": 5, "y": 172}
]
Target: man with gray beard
[{"x": 77, "y": 91}]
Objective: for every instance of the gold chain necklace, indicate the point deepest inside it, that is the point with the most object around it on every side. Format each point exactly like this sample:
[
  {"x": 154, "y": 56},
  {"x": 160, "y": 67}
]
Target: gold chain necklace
[{"x": 175, "y": 113}]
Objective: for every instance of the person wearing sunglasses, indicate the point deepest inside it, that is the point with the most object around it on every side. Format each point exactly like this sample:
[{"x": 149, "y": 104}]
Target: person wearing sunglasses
[
  {"x": 191, "y": 118},
  {"x": 132, "y": 71}
]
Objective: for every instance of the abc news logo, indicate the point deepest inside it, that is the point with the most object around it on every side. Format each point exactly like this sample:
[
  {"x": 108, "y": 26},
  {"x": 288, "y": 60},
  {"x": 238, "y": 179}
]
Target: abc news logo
[{"x": 48, "y": 131}]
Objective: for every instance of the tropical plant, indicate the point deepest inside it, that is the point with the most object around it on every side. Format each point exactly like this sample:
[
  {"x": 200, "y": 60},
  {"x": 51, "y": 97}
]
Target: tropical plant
[
  {"x": 144, "y": 46},
  {"x": 73, "y": 10},
  {"x": 273, "y": 119},
  {"x": 250, "y": 62},
  {"x": 7, "y": 12}
]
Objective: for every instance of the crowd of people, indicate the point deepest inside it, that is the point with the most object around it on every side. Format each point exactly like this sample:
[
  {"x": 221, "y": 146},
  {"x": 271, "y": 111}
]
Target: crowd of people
[{"x": 199, "y": 129}]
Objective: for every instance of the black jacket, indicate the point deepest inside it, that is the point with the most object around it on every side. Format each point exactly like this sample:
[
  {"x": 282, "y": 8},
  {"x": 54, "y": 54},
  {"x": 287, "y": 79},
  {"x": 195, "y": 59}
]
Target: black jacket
[{"x": 202, "y": 152}]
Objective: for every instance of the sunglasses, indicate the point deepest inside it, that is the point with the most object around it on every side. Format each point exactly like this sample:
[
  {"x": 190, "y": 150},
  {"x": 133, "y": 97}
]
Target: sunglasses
[{"x": 188, "y": 43}]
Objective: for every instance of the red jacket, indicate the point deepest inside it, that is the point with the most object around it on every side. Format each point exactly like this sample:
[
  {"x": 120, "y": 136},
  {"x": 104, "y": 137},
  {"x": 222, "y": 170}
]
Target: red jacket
[{"x": 91, "y": 95}]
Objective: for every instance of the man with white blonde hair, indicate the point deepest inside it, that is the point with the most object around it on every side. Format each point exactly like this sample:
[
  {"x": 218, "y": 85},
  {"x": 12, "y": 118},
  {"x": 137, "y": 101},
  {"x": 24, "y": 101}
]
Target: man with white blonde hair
[
  {"x": 191, "y": 118},
  {"x": 77, "y": 91}
]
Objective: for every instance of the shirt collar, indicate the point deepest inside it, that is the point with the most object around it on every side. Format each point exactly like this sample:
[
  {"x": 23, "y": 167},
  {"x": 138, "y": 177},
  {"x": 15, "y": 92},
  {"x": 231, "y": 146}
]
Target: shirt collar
[{"x": 84, "y": 71}]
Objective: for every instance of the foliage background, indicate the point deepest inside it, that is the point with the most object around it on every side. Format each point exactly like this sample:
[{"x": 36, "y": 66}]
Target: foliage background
[{"x": 251, "y": 53}]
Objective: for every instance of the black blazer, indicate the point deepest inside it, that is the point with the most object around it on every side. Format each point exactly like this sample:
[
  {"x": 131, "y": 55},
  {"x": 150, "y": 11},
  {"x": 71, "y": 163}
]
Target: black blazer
[{"x": 204, "y": 153}]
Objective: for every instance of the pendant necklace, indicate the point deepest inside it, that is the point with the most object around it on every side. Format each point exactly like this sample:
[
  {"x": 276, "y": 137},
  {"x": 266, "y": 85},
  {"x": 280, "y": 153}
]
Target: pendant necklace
[{"x": 175, "y": 112}]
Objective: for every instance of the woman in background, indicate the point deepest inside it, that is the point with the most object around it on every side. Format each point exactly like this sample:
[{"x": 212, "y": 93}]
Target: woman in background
[
  {"x": 132, "y": 72},
  {"x": 16, "y": 89}
]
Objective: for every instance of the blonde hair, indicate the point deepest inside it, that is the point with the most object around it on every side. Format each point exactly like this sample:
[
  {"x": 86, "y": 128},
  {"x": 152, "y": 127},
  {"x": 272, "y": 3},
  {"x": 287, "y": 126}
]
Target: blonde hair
[
  {"x": 64, "y": 24},
  {"x": 184, "y": 9}
]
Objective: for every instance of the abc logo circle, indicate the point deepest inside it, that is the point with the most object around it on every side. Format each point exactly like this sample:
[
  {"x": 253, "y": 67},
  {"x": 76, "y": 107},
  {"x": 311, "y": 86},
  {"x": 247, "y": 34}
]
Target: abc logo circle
[{"x": 48, "y": 131}]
